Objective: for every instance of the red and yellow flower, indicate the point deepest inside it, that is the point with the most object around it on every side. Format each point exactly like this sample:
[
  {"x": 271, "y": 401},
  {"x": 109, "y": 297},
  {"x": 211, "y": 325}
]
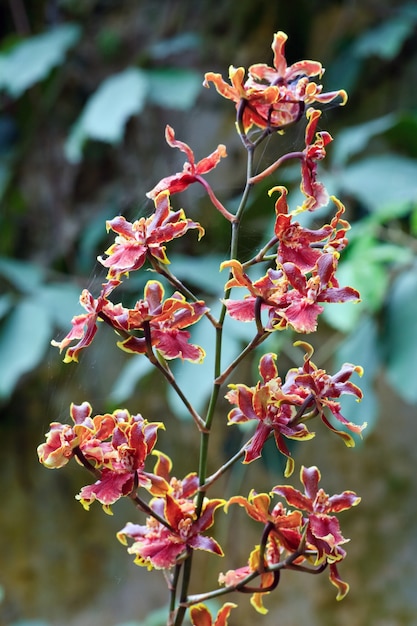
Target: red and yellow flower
[
  {"x": 289, "y": 297},
  {"x": 192, "y": 172},
  {"x": 279, "y": 408},
  {"x": 322, "y": 530},
  {"x": 165, "y": 321},
  {"x": 319, "y": 390},
  {"x": 272, "y": 408},
  {"x": 304, "y": 246},
  {"x": 274, "y": 97},
  {"x": 146, "y": 236},
  {"x": 159, "y": 545},
  {"x": 201, "y": 616},
  {"x": 115, "y": 447},
  {"x": 84, "y": 326}
]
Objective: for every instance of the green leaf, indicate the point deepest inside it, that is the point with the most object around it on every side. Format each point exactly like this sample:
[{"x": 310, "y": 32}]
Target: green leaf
[
  {"x": 60, "y": 301},
  {"x": 201, "y": 272},
  {"x": 104, "y": 116},
  {"x": 346, "y": 64},
  {"x": 6, "y": 302},
  {"x": 401, "y": 337},
  {"x": 132, "y": 373},
  {"x": 385, "y": 40},
  {"x": 413, "y": 222},
  {"x": 22, "y": 276},
  {"x": 174, "y": 88},
  {"x": 5, "y": 175},
  {"x": 403, "y": 134},
  {"x": 351, "y": 141},
  {"x": 24, "y": 338},
  {"x": 362, "y": 347},
  {"x": 178, "y": 44},
  {"x": 31, "y": 60},
  {"x": 381, "y": 182}
]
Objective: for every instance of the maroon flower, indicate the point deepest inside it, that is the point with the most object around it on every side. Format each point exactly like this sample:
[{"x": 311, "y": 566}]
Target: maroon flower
[
  {"x": 315, "y": 191},
  {"x": 84, "y": 327},
  {"x": 157, "y": 545},
  {"x": 62, "y": 439},
  {"x": 303, "y": 246},
  {"x": 319, "y": 389},
  {"x": 273, "y": 96},
  {"x": 286, "y": 526},
  {"x": 300, "y": 306},
  {"x": 272, "y": 407},
  {"x": 323, "y": 530},
  {"x": 289, "y": 297},
  {"x": 114, "y": 445},
  {"x": 280, "y": 408},
  {"x": 201, "y": 616},
  {"x": 192, "y": 171},
  {"x": 145, "y": 236},
  {"x": 165, "y": 320},
  {"x": 132, "y": 441}
]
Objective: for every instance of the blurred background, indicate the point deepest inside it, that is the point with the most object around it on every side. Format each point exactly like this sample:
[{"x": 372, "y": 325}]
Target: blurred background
[{"x": 86, "y": 89}]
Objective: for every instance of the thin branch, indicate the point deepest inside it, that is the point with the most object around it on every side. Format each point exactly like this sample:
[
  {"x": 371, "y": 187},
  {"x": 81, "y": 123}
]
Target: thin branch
[
  {"x": 256, "y": 341},
  {"x": 297, "y": 417},
  {"x": 164, "y": 271},
  {"x": 271, "y": 587},
  {"x": 20, "y": 17},
  {"x": 212, "y": 479},
  {"x": 86, "y": 463},
  {"x": 242, "y": 584},
  {"x": 261, "y": 255},
  {"x": 258, "y": 320},
  {"x": 216, "y": 202},
  {"x": 269, "y": 170},
  {"x": 145, "y": 508}
]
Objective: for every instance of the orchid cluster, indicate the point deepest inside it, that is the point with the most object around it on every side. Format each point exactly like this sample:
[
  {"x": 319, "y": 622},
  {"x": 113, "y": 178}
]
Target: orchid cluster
[{"x": 298, "y": 276}]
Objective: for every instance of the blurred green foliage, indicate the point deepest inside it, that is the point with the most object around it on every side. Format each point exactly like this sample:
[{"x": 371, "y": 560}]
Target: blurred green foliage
[{"x": 372, "y": 167}]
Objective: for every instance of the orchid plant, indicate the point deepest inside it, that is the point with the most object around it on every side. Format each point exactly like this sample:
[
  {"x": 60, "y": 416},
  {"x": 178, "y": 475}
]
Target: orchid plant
[{"x": 297, "y": 531}]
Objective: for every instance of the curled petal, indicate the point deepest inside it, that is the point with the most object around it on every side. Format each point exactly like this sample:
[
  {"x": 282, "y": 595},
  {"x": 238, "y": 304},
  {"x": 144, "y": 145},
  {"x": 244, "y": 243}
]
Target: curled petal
[
  {"x": 310, "y": 477},
  {"x": 201, "y": 616},
  {"x": 110, "y": 488},
  {"x": 334, "y": 577},
  {"x": 343, "y": 501},
  {"x": 191, "y": 172},
  {"x": 293, "y": 497}
]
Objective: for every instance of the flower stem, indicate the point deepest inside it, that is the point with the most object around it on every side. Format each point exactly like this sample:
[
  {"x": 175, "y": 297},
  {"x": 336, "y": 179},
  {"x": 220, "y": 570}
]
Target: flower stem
[
  {"x": 216, "y": 202},
  {"x": 269, "y": 170},
  {"x": 256, "y": 341},
  {"x": 164, "y": 369},
  {"x": 186, "y": 577},
  {"x": 173, "y": 594},
  {"x": 164, "y": 271},
  {"x": 212, "y": 479},
  {"x": 218, "y": 379}
]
